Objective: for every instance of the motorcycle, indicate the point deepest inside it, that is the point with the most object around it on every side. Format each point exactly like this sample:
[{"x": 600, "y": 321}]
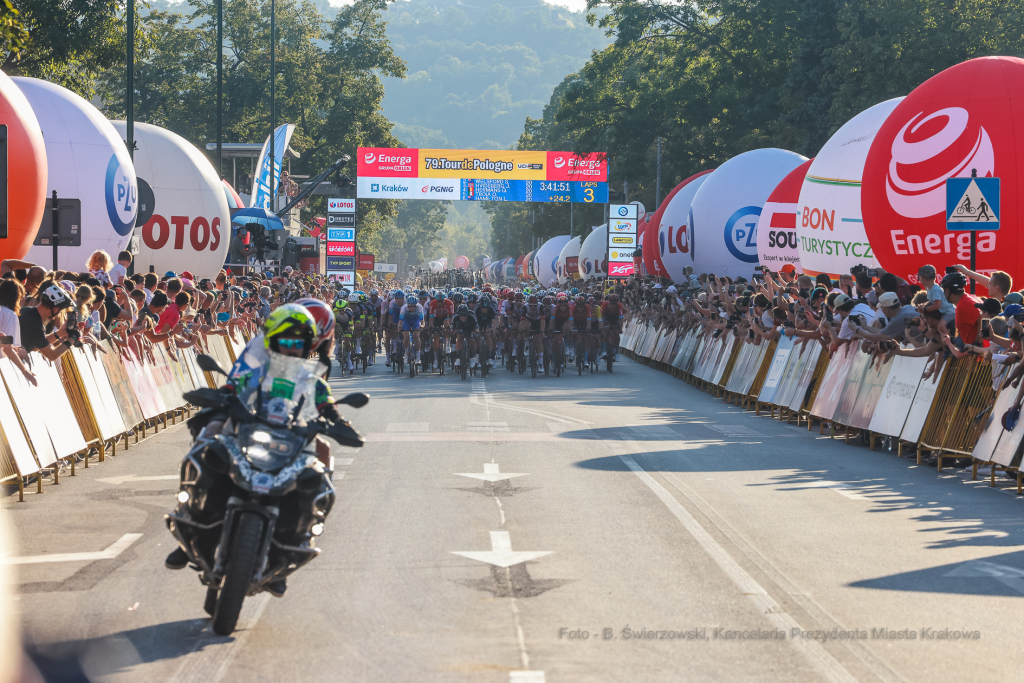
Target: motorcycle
[{"x": 253, "y": 498}]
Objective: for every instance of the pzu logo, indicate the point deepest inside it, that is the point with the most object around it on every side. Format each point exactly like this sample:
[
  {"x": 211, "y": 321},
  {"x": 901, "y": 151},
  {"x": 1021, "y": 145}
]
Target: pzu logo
[{"x": 741, "y": 233}]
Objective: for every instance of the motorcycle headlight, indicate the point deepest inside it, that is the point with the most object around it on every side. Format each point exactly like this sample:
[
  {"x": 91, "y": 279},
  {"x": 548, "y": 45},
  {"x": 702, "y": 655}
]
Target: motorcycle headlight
[{"x": 260, "y": 437}]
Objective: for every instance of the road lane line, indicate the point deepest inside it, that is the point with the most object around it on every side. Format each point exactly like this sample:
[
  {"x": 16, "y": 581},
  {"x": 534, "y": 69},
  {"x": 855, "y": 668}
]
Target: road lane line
[
  {"x": 131, "y": 478},
  {"x": 817, "y": 655},
  {"x": 213, "y": 655},
  {"x": 111, "y": 551},
  {"x": 795, "y": 592}
]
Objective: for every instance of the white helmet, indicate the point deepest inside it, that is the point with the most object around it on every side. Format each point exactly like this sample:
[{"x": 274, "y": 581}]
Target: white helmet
[{"x": 353, "y": 298}]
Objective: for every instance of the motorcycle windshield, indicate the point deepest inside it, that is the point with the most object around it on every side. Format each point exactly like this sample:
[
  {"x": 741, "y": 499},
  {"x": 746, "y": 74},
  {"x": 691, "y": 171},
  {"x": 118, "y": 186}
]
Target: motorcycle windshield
[{"x": 286, "y": 380}]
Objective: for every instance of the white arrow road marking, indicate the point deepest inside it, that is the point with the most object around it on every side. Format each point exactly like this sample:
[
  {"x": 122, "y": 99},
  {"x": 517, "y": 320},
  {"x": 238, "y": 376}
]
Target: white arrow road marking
[
  {"x": 112, "y": 551},
  {"x": 491, "y": 473},
  {"x": 131, "y": 478},
  {"x": 501, "y": 553},
  {"x": 1010, "y": 576}
]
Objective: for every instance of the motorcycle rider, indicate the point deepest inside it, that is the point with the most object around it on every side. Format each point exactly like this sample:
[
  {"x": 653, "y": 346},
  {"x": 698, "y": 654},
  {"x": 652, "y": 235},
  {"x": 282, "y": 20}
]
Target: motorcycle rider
[{"x": 290, "y": 330}]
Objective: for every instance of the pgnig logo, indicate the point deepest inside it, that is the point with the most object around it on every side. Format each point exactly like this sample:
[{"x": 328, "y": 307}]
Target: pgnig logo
[{"x": 623, "y": 211}]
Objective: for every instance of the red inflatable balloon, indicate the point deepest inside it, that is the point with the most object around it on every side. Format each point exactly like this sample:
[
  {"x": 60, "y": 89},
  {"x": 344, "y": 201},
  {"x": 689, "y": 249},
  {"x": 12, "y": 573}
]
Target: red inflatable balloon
[
  {"x": 966, "y": 117},
  {"x": 652, "y": 248},
  {"x": 26, "y": 182},
  {"x": 462, "y": 262}
]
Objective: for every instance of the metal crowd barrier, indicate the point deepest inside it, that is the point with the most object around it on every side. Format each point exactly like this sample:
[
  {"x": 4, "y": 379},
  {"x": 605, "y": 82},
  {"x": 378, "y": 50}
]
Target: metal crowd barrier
[
  {"x": 89, "y": 402},
  {"x": 954, "y": 412}
]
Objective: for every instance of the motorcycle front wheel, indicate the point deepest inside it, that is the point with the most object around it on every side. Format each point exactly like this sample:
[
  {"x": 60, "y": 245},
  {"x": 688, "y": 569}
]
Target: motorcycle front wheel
[{"x": 241, "y": 563}]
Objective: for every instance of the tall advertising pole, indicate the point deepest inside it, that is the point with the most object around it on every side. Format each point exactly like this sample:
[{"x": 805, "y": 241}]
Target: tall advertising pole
[
  {"x": 273, "y": 107},
  {"x": 220, "y": 84},
  {"x": 129, "y": 104}
]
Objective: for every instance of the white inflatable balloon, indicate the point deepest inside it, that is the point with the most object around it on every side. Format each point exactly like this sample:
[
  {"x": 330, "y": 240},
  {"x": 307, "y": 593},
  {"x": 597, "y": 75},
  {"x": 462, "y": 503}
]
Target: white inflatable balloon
[
  {"x": 829, "y": 226},
  {"x": 570, "y": 250},
  {"x": 188, "y": 225},
  {"x": 674, "y": 231},
  {"x": 725, "y": 210},
  {"x": 86, "y": 160},
  {"x": 435, "y": 266},
  {"x": 547, "y": 256},
  {"x": 510, "y": 268},
  {"x": 594, "y": 253}
]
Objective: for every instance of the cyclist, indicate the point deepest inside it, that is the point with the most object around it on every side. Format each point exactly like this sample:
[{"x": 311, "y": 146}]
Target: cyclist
[
  {"x": 344, "y": 317},
  {"x": 485, "y": 318},
  {"x": 412, "y": 319},
  {"x": 534, "y": 315},
  {"x": 611, "y": 312},
  {"x": 464, "y": 325},
  {"x": 560, "y": 315},
  {"x": 394, "y": 317},
  {"x": 581, "y": 326},
  {"x": 441, "y": 311}
]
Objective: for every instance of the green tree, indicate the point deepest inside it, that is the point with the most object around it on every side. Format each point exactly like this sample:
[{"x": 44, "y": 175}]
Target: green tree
[
  {"x": 69, "y": 42},
  {"x": 327, "y": 81},
  {"x": 13, "y": 35}
]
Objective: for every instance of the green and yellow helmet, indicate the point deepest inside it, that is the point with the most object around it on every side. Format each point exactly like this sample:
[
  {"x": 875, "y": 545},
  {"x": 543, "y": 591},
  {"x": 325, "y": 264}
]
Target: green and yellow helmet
[{"x": 290, "y": 320}]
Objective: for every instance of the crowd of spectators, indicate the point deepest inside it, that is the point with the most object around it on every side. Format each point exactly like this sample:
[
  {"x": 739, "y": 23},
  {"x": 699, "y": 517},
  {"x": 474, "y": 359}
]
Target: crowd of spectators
[
  {"x": 48, "y": 312},
  {"x": 935, "y": 317}
]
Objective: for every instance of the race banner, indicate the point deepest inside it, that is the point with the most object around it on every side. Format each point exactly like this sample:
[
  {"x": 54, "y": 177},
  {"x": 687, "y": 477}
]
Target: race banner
[
  {"x": 474, "y": 175},
  {"x": 261, "y": 183}
]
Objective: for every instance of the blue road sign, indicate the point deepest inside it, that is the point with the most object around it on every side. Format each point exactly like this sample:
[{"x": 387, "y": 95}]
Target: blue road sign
[{"x": 972, "y": 204}]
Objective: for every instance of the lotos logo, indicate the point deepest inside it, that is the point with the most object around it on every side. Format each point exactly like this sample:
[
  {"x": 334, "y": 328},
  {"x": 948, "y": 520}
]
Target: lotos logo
[
  {"x": 370, "y": 157},
  {"x": 202, "y": 234},
  {"x": 928, "y": 150},
  {"x": 586, "y": 266},
  {"x": 559, "y": 162}
]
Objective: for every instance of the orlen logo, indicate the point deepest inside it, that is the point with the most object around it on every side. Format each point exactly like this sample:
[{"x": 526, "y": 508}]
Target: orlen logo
[
  {"x": 369, "y": 157},
  {"x": 559, "y": 162},
  {"x": 924, "y": 156}
]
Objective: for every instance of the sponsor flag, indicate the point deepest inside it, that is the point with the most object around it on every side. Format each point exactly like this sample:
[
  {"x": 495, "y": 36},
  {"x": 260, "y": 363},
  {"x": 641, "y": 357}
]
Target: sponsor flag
[{"x": 261, "y": 183}]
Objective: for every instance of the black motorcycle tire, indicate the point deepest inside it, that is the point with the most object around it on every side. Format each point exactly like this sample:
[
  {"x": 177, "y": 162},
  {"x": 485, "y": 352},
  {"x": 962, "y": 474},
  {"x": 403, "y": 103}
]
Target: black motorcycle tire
[{"x": 241, "y": 564}]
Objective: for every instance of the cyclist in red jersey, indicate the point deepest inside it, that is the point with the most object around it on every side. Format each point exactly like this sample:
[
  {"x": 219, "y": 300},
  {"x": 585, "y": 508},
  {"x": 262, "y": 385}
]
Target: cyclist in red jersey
[{"x": 611, "y": 314}]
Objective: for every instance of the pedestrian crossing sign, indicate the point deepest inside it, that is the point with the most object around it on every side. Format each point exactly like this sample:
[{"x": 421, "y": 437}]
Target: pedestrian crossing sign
[{"x": 972, "y": 204}]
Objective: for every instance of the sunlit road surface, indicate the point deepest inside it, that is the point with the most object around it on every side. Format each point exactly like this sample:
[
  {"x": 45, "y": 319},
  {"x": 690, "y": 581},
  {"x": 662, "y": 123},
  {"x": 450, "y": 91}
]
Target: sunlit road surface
[{"x": 621, "y": 527}]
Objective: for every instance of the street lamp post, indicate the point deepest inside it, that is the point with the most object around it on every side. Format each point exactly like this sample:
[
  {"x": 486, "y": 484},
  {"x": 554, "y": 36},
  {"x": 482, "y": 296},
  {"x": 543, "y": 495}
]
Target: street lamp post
[
  {"x": 273, "y": 105},
  {"x": 129, "y": 104},
  {"x": 220, "y": 84}
]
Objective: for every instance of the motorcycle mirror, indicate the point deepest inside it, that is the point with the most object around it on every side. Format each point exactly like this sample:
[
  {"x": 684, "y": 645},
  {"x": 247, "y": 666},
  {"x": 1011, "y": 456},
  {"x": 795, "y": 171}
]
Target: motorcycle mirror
[
  {"x": 356, "y": 400},
  {"x": 208, "y": 364}
]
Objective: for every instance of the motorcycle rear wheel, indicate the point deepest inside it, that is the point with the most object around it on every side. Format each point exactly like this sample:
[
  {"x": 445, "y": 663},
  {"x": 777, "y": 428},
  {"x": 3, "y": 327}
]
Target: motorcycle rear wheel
[{"x": 242, "y": 562}]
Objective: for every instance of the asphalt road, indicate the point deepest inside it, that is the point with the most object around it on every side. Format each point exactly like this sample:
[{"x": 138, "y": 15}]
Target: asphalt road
[{"x": 664, "y": 536}]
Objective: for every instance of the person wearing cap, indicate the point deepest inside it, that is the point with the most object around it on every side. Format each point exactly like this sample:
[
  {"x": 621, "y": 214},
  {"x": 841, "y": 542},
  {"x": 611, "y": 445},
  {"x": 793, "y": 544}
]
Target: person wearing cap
[
  {"x": 788, "y": 273},
  {"x": 898, "y": 319},
  {"x": 238, "y": 251},
  {"x": 936, "y": 299}
]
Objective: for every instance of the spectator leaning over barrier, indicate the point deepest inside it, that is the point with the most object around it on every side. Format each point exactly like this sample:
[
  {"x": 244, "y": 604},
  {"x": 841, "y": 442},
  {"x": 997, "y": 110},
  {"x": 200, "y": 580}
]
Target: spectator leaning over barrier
[
  {"x": 898, "y": 319},
  {"x": 968, "y": 316},
  {"x": 34, "y": 321},
  {"x": 149, "y": 283},
  {"x": 11, "y": 292},
  {"x": 998, "y": 284}
]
